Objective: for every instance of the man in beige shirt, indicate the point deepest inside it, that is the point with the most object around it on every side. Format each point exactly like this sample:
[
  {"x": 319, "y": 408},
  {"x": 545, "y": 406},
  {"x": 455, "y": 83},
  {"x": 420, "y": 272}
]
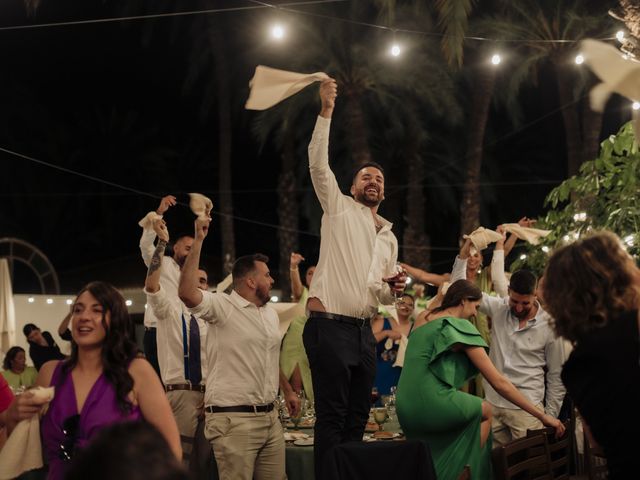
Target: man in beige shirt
[
  {"x": 358, "y": 251},
  {"x": 243, "y": 351}
]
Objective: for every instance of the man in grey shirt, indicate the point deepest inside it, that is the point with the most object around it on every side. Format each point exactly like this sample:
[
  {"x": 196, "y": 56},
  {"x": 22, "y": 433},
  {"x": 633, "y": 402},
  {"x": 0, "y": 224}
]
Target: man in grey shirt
[{"x": 524, "y": 349}]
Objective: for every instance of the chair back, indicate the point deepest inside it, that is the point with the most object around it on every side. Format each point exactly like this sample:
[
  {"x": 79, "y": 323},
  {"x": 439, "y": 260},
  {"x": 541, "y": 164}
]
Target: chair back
[
  {"x": 522, "y": 459},
  {"x": 595, "y": 461},
  {"x": 559, "y": 450}
]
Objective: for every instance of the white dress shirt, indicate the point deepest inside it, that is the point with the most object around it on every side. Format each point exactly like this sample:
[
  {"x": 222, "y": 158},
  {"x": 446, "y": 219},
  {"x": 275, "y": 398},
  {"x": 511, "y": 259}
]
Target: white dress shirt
[
  {"x": 243, "y": 350},
  {"x": 169, "y": 275},
  {"x": 353, "y": 257},
  {"x": 170, "y": 340}
]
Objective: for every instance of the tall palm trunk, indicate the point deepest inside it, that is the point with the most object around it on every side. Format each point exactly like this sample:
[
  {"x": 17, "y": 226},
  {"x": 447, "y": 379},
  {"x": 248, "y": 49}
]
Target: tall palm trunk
[
  {"x": 415, "y": 237},
  {"x": 287, "y": 212},
  {"x": 482, "y": 92},
  {"x": 570, "y": 117},
  {"x": 357, "y": 137},
  {"x": 224, "y": 149}
]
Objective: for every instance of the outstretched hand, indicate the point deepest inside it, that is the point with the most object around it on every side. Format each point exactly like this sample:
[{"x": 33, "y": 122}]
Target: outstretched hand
[
  {"x": 166, "y": 202},
  {"x": 295, "y": 260},
  {"x": 160, "y": 227},
  {"x": 202, "y": 227}
]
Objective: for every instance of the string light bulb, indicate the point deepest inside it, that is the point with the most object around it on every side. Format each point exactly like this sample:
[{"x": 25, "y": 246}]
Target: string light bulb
[
  {"x": 277, "y": 31},
  {"x": 395, "y": 50},
  {"x": 579, "y": 59},
  {"x": 496, "y": 59},
  {"x": 31, "y": 299},
  {"x": 635, "y": 105},
  {"x": 620, "y": 36}
]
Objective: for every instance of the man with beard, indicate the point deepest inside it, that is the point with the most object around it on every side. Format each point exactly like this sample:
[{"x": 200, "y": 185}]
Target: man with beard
[
  {"x": 169, "y": 277},
  {"x": 524, "y": 349},
  {"x": 357, "y": 251},
  {"x": 243, "y": 348}
]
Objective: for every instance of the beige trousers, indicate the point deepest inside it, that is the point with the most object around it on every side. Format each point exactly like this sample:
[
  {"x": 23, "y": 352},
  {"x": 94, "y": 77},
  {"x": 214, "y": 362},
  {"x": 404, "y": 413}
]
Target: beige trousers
[
  {"x": 247, "y": 445},
  {"x": 509, "y": 424},
  {"x": 186, "y": 405}
]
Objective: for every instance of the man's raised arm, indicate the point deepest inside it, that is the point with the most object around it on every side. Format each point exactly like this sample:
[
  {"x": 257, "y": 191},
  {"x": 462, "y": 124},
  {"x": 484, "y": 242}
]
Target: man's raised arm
[{"x": 188, "y": 289}]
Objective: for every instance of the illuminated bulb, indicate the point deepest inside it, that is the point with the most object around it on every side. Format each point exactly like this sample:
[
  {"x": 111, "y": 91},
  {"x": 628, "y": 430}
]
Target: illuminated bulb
[
  {"x": 395, "y": 50},
  {"x": 409, "y": 281},
  {"x": 275, "y": 299},
  {"x": 580, "y": 217},
  {"x": 629, "y": 240},
  {"x": 579, "y": 59},
  {"x": 277, "y": 32},
  {"x": 128, "y": 303},
  {"x": 576, "y": 235},
  {"x": 620, "y": 35},
  {"x": 566, "y": 238},
  {"x": 545, "y": 249},
  {"x": 523, "y": 257},
  {"x": 635, "y": 105},
  {"x": 496, "y": 59},
  {"x": 145, "y": 306},
  {"x": 69, "y": 301},
  {"x": 49, "y": 301},
  {"x": 31, "y": 299}
]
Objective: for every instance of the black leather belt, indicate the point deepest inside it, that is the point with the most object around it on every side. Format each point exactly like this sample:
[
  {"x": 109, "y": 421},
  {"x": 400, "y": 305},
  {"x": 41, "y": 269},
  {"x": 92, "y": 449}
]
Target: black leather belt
[
  {"x": 359, "y": 322},
  {"x": 240, "y": 409},
  {"x": 149, "y": 329},
  {"x": 185, "y": 386}
]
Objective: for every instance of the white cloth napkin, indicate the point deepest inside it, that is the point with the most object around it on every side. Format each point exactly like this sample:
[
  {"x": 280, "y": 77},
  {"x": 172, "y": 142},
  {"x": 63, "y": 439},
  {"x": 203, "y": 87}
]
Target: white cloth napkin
[
  {"x": 147, "y": 221},
  {"x": 200, "y": 205},
  {"x": 401, "y": 351},
  {"x": 481, "y": 237},
  {"x": 23, "y": 450},
  {"x": 270, "y": 86},
  {"x": 531, "y": 235}
]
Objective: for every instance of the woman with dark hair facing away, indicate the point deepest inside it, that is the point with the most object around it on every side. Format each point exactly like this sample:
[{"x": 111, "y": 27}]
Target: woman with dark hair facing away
[
  {"x": 441, "y": 355},
  {"x": 592, "y": 290},
  {"x": 18, "y": 375},
  {"x": 102, "y": 382}
]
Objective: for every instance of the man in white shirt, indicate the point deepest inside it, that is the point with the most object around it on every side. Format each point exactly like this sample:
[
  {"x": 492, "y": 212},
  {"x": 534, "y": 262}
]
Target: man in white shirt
[
  {"x": 181, "y": 352},
  {"x": 243, "y": 349},
  {"x": 169, "y": 277},
  {"x": 524, "y": 349},
  {"x": 357, "y": 251}
]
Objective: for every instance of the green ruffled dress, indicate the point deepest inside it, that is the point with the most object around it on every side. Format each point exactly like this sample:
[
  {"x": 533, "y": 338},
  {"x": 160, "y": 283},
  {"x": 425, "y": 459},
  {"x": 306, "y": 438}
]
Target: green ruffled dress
[{"x": 430, "y": 405}]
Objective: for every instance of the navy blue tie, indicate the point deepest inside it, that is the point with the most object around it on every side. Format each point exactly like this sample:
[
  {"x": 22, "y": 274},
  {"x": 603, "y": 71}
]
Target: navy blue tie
[{"x": 195, "y": 370}]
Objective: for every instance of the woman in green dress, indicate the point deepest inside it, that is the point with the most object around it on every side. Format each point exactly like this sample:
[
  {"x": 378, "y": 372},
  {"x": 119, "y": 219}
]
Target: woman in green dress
[{"x": 441, "y": 355}]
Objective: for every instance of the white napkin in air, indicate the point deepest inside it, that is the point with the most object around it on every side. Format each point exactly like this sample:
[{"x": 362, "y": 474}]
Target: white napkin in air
[
  {"x": 23, "y": 450},
  {"x": 531, "y": 235},
  {"x": 269, "y": 86},
  {"x": 481, "y": 237},
  {"x": 149, "y": 218},
  {"x": 200, "y": 205}
]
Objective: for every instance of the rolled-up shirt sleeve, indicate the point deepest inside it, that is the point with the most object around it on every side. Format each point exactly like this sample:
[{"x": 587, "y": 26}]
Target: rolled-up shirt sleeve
[
  {"x": 161, "y": 305},
  {"x": 209, "y": 309}
]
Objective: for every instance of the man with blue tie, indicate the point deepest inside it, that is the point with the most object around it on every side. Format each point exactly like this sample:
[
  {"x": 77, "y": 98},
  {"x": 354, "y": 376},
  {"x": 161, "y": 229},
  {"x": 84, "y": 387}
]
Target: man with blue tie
[{"x": 181, "y": 340}]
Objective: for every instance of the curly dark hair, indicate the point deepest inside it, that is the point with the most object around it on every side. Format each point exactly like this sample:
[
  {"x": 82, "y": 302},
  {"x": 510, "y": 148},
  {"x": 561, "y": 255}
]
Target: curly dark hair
[
  {"x": 119, "y": 347},
  {"x": 11, "y": 356},
  {"x": 457, "y": 292},
  {"x": 588, "y": 283}
]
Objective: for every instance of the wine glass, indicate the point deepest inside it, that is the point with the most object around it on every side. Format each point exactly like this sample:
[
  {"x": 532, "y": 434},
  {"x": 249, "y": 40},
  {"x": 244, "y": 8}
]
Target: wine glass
[
  {"x": 398, "y": 272},
  {"x": 380, "y": 415},
  {"x": 281, "y": 405},
  {"x": 375, "y": 395},
  {"x": 295, "y": 419}
]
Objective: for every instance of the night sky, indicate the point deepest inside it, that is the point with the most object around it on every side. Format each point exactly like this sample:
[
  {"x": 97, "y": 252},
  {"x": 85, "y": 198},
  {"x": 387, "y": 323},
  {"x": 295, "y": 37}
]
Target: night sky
[{"x": 133, "y": 104}]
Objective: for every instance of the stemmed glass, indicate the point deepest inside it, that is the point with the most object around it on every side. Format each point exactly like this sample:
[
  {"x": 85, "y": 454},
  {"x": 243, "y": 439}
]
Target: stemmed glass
[
  {"x": 398, "y": 272},
  {"x": 374, "y": 396},
  {"x": 281, "y": 405},
  {"x": 295, "y": 419},
  {"x": 380, "y": 415}
]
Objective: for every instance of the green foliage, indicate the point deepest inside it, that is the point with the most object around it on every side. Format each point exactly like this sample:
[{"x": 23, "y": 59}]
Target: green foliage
[{"x": 602, "y": 196}]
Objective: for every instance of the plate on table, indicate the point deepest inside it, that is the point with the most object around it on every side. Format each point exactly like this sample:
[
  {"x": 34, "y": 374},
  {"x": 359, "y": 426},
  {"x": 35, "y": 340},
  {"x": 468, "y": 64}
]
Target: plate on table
[
  {"x": 304, "y": 442},
  {"x": 304, "y": 423},
  {"x": 387, "y": 436},
  {"x": 293, "y": 436},
  {"x": 371, "y": 427}
]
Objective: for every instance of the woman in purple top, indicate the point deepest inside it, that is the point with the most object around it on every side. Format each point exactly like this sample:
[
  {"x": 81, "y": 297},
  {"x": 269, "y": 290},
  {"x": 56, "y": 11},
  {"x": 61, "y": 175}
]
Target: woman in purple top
[{"x": 102, "y": 382}]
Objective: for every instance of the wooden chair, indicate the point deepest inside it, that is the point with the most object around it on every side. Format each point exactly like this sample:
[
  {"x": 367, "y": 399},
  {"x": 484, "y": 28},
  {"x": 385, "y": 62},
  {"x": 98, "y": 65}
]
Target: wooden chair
[
  {"x": 595, "y": 462},
  {"x": 559, "y": 450},
  {"x": 523, "y": 459}
]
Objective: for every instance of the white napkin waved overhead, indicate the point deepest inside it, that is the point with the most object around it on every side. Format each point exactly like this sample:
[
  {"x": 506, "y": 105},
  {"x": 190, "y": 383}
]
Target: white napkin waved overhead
[
  {"x": 528, "y": 234},
  {"x": 149, "y": 218},
  {"x": 23, "y": 450},
  {"x": 200, "y": 205},
  {"x": 269, "y": 86},
  {"x": 481, "y": 237}
]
